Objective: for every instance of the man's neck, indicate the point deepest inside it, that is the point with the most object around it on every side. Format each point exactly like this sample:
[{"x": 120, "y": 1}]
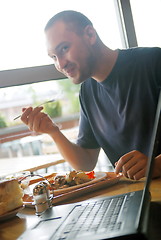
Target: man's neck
[{"x": 106, "y": 60}]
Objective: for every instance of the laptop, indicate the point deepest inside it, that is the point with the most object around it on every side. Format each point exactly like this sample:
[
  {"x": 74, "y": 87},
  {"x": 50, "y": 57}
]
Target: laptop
[{"x": 122, "y": 216}]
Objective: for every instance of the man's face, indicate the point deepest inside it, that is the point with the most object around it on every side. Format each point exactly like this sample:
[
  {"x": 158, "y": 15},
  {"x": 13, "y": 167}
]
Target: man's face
[{"x": 72, "y": 53}]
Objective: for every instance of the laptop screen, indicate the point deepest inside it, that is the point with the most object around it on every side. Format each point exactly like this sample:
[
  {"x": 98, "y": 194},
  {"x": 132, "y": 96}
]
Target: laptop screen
[
  {"x": 155, "y": 143},
  {"x": 153, "y": 152}
]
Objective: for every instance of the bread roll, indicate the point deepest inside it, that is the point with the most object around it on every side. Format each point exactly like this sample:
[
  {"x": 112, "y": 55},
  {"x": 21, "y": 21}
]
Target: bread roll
[{"x": 10, "y": 195}]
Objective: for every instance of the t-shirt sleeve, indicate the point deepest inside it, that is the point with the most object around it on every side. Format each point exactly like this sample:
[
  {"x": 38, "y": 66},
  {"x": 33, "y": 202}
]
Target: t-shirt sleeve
[{"x": 86, "y": 137}]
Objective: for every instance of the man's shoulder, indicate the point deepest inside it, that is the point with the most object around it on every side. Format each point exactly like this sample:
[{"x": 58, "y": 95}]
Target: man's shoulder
[
  {"x": 141, "y": 51},
  {"x": 140, "y": 55},
  {"x": 89, "y": 86},
  {"x": 88, "y": 82}
]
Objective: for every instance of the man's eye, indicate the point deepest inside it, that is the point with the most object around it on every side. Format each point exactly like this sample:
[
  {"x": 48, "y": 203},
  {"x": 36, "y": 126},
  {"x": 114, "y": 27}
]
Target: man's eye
[
  {"x": 53, "y": 57},
  {"x": 65, "y": 48}
]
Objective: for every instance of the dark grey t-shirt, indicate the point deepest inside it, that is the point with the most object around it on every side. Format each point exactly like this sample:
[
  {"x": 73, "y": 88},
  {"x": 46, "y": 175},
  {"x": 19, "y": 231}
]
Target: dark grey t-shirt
[{"x": 118, "y": 113}]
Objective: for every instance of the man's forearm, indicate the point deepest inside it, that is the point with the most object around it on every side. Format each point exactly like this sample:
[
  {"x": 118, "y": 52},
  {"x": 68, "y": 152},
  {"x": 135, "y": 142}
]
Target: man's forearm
[{"x": 79, "y": 158}]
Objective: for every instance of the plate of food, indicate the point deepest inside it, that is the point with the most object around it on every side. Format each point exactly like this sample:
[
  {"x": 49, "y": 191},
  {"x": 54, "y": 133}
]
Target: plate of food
[
  {"x": 65, "y": 186},
  {"x": 63, "y": 183}
]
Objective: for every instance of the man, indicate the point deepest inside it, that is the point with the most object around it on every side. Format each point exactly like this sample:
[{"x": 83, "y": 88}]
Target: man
[{"x": 118, "y": 97}]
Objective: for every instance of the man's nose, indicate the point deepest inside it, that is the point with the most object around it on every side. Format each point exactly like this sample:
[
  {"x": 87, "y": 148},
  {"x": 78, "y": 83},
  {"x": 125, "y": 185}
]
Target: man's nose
[{"x": 61, "y": 63}]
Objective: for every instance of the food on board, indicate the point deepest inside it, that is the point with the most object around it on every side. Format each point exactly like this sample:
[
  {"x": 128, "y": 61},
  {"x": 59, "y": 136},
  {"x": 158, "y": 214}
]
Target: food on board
[
  {"x": 71, "y": 179},
  {"x": 10, "y": 195}
]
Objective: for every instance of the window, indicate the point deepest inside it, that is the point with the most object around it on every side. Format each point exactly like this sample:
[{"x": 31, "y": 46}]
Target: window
[
  {"x": 22, "y": 28},
  {"x": 147, "y": 19},
  {"x": 13, "y": 99}
]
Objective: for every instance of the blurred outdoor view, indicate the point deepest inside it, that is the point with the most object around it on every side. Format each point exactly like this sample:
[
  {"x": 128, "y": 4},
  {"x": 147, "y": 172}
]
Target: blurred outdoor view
[
  {"x": 13, "y": 99},
  {"x": 15, "y": 138}
]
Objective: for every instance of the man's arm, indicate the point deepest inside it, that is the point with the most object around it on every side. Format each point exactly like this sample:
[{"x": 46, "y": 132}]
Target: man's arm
[{"x": 79, "y": 158}]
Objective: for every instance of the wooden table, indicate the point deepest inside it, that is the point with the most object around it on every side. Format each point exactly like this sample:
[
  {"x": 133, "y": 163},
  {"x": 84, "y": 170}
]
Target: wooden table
[
  {"x": 30, "y": 163},
  {"x": 13, "y": 228}
]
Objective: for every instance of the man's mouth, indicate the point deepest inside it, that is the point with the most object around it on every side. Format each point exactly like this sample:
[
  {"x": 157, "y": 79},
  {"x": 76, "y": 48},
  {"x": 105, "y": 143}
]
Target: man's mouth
[{"x": 70, "y": 72}]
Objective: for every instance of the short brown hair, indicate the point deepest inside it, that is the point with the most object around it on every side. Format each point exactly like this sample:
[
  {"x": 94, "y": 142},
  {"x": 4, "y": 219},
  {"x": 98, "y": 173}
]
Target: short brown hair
[{"x": 76, "y": 19}]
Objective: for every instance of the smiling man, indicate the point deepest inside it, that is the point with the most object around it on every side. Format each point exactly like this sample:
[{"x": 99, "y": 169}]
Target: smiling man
[
  {"x": 118, "y": 97},
  {"x": 71, "y": 47}
]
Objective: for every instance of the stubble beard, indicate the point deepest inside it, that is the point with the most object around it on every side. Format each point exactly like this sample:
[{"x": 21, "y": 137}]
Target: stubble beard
[{"x": 85, "y": 73}]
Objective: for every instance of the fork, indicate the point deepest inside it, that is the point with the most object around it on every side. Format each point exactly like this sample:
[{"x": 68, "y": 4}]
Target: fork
[{"x": 49, "y": 101}]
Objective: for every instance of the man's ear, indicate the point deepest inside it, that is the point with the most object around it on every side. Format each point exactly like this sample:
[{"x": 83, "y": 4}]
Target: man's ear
[{"x": 90, "y": 33}]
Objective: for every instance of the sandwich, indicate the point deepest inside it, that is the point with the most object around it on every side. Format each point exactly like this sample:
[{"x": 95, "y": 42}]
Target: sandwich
[{"x": 11, "y": 195}]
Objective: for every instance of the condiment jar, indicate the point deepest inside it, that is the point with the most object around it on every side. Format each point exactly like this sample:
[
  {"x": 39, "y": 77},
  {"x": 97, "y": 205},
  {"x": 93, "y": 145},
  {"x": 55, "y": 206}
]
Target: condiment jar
[{"x": 41, "y": 197}]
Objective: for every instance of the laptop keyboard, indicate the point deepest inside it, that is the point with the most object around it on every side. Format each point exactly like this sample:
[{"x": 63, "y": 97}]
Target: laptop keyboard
[{"x": 91, "y": 218}]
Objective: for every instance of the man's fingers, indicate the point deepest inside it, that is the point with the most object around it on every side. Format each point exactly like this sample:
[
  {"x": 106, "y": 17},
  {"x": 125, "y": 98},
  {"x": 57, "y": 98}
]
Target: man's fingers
[
  {"x": 116, "y": 163},
  {"x": 135, "y": 171},
  {"x": 128, "y": 166},
  {"x": 25, "y": 115},
  {"x": 32, "y": 115},
  {"x": 125, "y": 158},
  {"x": 23, "y": 109},
  {"x": 132, "y": 165},
  {"x": 29, "y": 115},
  {"x": 39, "y": 121},
  {"x": 140, "y": 174}
]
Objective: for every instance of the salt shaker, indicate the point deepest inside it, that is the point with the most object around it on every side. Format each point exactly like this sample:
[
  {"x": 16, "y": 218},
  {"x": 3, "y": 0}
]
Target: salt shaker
[
  {"x": 41, "y": 198},
  {"x": 49, "y": 198}
]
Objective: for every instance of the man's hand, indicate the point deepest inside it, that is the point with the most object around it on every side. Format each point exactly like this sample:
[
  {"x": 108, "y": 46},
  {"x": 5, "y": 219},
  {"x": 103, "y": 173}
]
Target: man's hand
[
  {"x": 132, "y": 165},
  {"x": 38, "y": 121}
]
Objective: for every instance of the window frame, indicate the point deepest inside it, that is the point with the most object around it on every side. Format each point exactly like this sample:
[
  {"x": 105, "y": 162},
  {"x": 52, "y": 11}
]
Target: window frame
[{"x": 29, "y": 75}]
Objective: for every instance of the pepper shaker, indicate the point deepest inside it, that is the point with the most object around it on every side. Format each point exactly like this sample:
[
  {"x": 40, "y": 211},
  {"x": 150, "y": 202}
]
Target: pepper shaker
[{"x": 41, "y": 198}]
